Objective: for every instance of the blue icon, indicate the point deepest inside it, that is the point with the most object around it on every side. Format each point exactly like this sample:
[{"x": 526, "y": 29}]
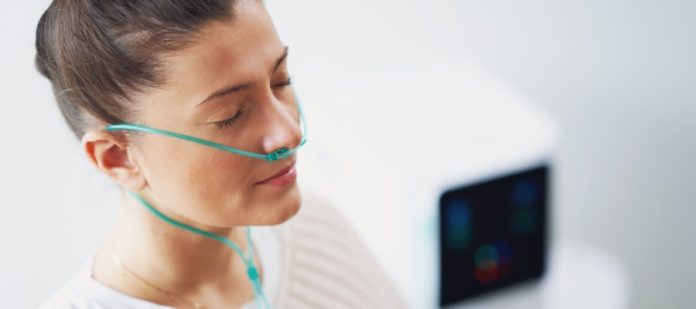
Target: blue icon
[{"x": 459, "y": 229}]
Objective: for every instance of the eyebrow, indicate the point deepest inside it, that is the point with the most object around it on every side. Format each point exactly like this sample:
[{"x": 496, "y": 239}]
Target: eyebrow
[{"x": 236, "y": 88}]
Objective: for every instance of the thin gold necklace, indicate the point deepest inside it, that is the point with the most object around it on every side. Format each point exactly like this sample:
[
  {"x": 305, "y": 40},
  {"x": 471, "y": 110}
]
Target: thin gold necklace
[{"x": 170, "y": 295}]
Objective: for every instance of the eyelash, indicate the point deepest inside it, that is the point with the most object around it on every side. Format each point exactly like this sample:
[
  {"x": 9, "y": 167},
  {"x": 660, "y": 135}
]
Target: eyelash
[
  {"x": 229, "y": 122},
  {"x": 285, "y": 83}
]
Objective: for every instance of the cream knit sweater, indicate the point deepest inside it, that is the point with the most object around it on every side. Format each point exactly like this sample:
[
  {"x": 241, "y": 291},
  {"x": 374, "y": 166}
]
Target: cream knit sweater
[
  {"x": 323, "y": 264},
  {"x": 328, "y": 266}
]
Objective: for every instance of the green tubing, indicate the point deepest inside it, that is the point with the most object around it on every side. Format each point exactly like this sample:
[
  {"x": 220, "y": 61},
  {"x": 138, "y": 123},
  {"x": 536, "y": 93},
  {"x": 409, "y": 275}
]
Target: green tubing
[
  {"x": 252, "y": 271},
  {"x": 273, "y": 156},
  {"x": 281, "y": 153}
]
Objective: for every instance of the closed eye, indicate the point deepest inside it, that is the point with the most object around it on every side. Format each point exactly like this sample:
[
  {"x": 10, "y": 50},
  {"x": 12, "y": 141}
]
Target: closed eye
[
  {"x": 285, "y": 83},
  {"x": 230, "y": 121}
]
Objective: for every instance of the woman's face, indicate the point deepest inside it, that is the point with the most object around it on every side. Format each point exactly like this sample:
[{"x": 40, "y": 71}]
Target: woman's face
[{"x": 229, "y": 87}]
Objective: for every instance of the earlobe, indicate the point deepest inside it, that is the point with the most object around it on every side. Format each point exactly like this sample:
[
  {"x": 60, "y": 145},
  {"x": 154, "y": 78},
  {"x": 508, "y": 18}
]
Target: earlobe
[{"x": 110, "y": 153}]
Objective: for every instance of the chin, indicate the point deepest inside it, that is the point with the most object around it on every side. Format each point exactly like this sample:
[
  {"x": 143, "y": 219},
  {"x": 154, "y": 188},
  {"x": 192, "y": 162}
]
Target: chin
[
  {"x": 288, "y": 210},
  {"x": 275, "y": 210},
  {"x": 262, "y": 209}
]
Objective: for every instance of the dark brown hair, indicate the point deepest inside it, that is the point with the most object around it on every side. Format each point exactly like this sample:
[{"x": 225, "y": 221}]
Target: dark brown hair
[{"x": 99, "y": 53}]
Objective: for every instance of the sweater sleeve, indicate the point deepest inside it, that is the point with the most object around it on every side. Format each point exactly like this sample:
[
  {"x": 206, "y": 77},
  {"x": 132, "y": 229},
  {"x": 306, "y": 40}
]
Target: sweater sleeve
[{"x": 327, "y": 265}]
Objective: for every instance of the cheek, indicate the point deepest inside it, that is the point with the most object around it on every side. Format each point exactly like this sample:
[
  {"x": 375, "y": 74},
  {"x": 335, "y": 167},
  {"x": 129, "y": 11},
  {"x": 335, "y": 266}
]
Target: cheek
[
  {"x": 218, "y": 184},
  {"x": 198, "y": 182},
  {"x": 218, "y": 175}
]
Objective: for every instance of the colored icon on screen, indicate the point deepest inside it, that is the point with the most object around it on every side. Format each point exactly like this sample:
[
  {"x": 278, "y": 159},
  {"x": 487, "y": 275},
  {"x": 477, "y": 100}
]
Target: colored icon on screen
[
  {"x": 525, "y": 193},
  {"x": 492, "y": 262},
  {"x": 459, "y": 229},
  {"x": 524, "y": 221}
]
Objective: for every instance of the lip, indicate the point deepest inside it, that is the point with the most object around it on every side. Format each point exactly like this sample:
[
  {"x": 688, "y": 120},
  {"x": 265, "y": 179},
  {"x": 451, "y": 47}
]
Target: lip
[{"x": 283, "y": 177}]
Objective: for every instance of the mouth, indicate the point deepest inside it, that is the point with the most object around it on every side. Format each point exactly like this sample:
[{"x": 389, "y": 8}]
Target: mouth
[{"x": 283, "y": 177}]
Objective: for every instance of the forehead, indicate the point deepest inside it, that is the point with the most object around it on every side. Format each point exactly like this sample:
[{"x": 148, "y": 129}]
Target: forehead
[{"x": 240, "y": 50}]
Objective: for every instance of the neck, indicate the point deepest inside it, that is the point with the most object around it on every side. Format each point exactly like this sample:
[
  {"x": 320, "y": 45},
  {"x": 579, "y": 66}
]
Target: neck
[{"x": 175, "y": 259}]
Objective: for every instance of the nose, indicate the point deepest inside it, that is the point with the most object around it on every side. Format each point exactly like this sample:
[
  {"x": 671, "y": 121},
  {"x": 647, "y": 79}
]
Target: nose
[{"x": 283, "y": 129}]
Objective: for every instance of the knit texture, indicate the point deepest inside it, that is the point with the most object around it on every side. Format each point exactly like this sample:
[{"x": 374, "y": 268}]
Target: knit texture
[
  {"x": 324, "y": 264},
  {"x": 327, "y": 265}
]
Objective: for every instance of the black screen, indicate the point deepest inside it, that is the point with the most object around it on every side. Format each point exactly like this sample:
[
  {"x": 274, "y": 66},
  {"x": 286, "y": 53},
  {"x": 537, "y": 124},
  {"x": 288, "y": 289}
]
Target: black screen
[{"x": 493, "y": 234}]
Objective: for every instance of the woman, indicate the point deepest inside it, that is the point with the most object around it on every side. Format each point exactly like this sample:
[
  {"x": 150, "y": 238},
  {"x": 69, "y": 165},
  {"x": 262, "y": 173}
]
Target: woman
[{"x": 188, "y": 107}]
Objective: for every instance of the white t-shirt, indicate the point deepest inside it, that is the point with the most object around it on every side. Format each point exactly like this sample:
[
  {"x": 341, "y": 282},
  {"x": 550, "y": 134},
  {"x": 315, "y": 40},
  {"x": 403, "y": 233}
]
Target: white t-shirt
[{"x": 84, "y": 292}]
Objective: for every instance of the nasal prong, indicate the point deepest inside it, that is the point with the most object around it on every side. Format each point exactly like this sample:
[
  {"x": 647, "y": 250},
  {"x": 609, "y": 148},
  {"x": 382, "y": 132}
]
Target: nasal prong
[{"x": 278, "y": 154}]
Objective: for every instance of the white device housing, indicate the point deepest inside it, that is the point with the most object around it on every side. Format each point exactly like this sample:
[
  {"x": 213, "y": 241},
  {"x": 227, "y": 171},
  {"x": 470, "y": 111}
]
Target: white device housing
[{"x": 385, "y": 151}]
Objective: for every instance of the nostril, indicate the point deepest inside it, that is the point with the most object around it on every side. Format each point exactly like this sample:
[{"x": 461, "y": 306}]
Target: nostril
[{"x": 278, "y": 154}]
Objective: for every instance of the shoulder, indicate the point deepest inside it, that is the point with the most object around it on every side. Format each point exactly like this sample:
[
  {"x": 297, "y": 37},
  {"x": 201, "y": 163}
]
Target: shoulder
[
  {"x": 83, "y": 292},
  {"x": 328, "y": 265},
  {"x": 66, "y": 298},
  {"x": 318, "y": 224}
]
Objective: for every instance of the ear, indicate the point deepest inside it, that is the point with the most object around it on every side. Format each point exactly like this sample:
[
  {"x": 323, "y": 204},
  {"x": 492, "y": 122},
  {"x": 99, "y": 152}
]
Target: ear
[{"x": 110, "y": 153}]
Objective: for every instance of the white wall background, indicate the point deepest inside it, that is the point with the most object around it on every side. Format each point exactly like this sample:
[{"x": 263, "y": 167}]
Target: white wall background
[
  {"x": 618, "y": 75},
  {"x": 620, "y": 78}
]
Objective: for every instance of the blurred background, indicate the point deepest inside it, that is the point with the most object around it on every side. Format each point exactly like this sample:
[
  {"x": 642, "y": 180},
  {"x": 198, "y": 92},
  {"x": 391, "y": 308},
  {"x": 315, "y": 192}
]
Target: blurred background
[{"x": 614, "y": 80}]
